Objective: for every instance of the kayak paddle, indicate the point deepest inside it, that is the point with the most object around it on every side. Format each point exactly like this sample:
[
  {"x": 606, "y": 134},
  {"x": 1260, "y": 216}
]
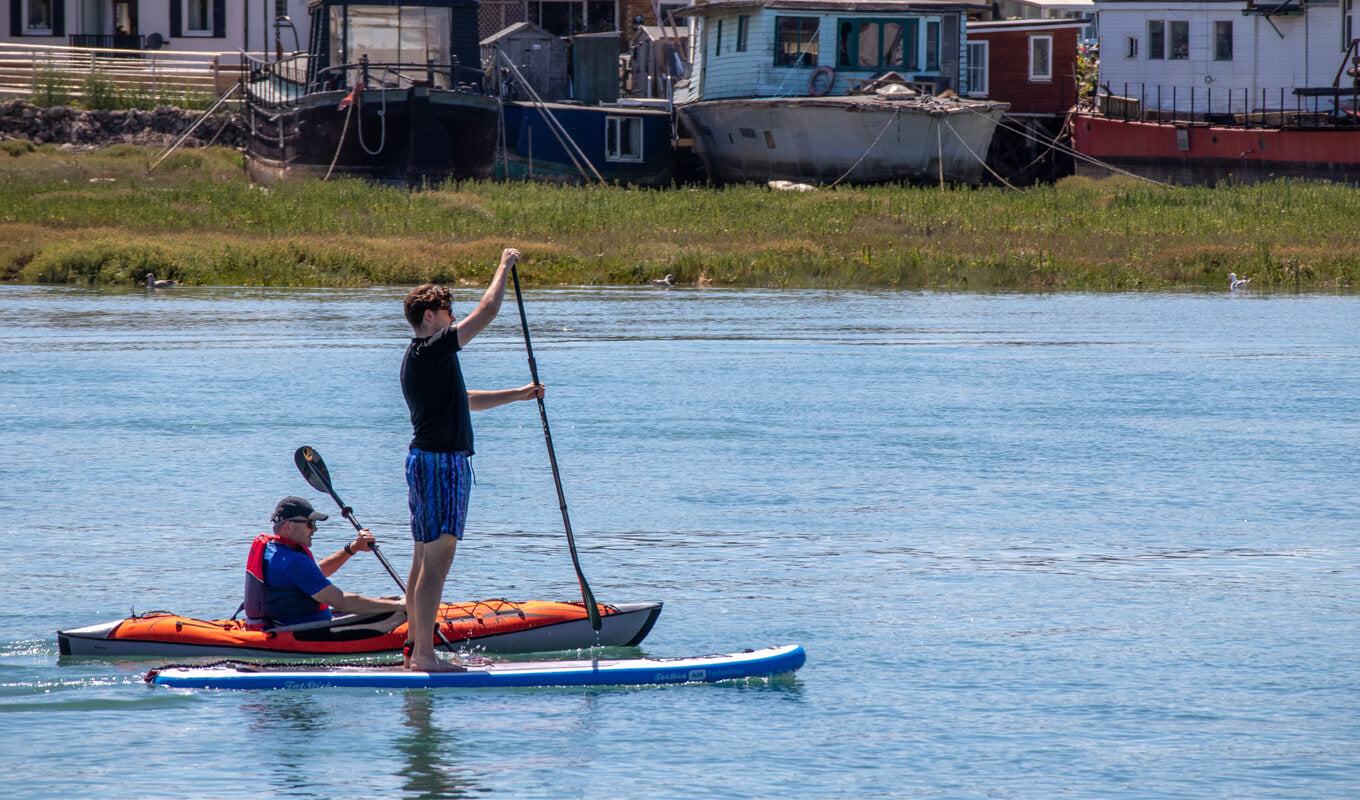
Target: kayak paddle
[
  {"x": 311, "y": 466},
  {"x": 591, "y": 610}
]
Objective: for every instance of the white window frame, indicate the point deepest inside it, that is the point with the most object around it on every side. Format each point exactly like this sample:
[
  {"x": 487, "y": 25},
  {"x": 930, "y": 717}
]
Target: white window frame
[
  {"x": 1232, "y": 36},
  {"x": 48, "y": 31},
  {"x": 1130, "y": 47},
  {"x": 632, "y": 153},
  {"x": 979, "y": 50},
  {"x": 1047, "y": 73},
  {"x": 184, "y": 15}
]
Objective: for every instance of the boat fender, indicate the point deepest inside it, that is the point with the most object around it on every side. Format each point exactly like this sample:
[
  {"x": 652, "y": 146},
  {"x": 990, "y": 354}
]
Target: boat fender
[{"x": 818, "y": 91}]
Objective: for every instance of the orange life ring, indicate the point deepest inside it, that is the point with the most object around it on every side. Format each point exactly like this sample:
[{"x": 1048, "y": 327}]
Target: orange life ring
[{"x": 830, "y": 80}]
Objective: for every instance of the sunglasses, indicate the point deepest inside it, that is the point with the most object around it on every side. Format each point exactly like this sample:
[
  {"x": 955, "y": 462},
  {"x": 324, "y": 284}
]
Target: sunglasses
[{"x": 310, "y": 523}]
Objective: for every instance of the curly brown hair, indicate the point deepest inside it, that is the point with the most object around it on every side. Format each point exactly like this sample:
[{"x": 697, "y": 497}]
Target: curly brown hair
[{"x": 426, "y": 297}]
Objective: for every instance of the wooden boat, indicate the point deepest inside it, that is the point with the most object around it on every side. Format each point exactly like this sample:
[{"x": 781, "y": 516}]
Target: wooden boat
[
  {"x": 390, "y": 93},
  {"x": 823, "y": 91},
  {"x": 493, "y": 626}
]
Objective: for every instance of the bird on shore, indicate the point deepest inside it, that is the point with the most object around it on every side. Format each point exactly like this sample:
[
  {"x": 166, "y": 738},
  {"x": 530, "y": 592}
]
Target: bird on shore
[
  {"x": 667, "y": 281},
  {"x": 1235, "y": 283},
  {"x": 152, "y": 283}
]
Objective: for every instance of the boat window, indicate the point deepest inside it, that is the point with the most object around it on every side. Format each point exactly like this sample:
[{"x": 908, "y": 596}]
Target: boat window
[
  {"x": 1180, "y": 40},
  {"x": 1130, "y": 47},
  {"x": 743, "y": 29},
  {"x": 932, "y": 45},
  {"x": 623, "y": 139},
  {"x": 795, "y": 42},
  {"x": 878, "y": 44},
  {"x": 1040, "y": 58},
  {"x": 977, "y": 68},
  {"x": 1223, "y": 40},
  {"x": 398, "y": 40},
  {"x": 1156, "y": 39}
]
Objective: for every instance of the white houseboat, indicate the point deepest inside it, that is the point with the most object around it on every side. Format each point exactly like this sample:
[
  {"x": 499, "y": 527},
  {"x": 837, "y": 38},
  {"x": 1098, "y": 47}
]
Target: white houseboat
[
  {"x": 819, "y": 91},
  {"x": 1199, "y": 92}
]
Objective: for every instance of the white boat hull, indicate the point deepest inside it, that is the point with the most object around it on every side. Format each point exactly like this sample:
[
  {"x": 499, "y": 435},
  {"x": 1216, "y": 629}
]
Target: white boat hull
[{"x": 852, "y": 139}]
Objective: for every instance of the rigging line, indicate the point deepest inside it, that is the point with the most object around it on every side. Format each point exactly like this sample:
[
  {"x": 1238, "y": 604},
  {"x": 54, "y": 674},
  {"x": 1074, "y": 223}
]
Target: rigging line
[
  {"x": 896, "y": 110},
  {"x": 382, "y": 118},
  {"x": 780, "y": 91},
  {"x": 349, "y": 110},
  {"x": 1081, "y": 156},
  {"x": 971, "y": 152},
  {"x": 569, "y": 145}
]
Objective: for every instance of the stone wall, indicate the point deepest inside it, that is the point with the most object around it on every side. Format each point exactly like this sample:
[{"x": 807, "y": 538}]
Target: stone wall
[{"x": 74, "y": 126}]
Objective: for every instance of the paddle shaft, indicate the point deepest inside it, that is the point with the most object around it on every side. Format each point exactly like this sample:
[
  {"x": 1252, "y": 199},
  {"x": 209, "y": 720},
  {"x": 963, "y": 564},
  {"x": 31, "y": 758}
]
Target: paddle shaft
[
  {"x": 586, "y": 595},
  {"x": 320, "y": 478}
]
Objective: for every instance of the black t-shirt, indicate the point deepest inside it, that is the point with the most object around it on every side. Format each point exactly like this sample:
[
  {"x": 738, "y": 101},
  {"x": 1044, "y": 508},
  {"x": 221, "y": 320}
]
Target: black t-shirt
[{"x": 432, "y": 383}]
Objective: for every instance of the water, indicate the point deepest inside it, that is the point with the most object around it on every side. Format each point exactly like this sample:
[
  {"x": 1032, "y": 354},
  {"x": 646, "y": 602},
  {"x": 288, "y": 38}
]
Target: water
[{"x": 1098, "y": 546}]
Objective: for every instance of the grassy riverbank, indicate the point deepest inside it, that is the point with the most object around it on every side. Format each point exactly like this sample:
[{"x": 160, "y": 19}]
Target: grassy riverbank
[{"x": 97, "y": 218}]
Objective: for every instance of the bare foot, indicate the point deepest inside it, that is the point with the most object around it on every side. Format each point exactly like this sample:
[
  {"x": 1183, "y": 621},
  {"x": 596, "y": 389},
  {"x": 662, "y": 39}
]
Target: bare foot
[{"x": 438, "y": 665}]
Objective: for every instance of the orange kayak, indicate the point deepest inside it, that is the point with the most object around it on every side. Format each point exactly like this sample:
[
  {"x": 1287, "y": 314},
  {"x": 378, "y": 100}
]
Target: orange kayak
[{"x": 493, "y": 626}]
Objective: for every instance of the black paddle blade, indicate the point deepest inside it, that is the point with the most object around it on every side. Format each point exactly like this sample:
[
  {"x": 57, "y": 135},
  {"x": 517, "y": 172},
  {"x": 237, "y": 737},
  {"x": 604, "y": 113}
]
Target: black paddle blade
[{"x": 311, "y": 466}]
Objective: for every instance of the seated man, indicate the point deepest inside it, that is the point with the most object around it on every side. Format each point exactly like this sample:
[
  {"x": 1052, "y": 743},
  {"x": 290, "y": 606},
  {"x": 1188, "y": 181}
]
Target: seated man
[{"x": 285, "y": 585}]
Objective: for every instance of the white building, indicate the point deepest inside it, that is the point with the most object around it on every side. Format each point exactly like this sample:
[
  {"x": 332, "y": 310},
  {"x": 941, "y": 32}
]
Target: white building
[
  {"x": 221, "y": 26},
  {"x": 1222, "y": 56}
]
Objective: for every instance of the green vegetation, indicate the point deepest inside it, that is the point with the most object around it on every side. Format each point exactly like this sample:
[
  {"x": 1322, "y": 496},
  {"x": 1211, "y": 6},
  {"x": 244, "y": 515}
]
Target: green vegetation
[{"x": 98, "y": 218}]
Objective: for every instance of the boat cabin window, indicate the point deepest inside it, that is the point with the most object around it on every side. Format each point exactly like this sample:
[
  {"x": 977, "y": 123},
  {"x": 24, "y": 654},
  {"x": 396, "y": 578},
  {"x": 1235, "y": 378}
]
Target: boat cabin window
[
  {"x": 795, "y": 42},
  {"x": 977, "y": 68},
  {"x": 623, "y": 139},
  {"x": 1156, "y": 39},
  {"x": 1179, "y": 40},
  {"x": 398, "y": 40},
  {"x": 1041, "y": 58},
  {"x": 1168, "y": 39},
  {"x": 1223, "y": 40},
  {"x": 877, "y": 44},
  {"x": 932, "y": 45},
  {"x": 743, "y": 29}
]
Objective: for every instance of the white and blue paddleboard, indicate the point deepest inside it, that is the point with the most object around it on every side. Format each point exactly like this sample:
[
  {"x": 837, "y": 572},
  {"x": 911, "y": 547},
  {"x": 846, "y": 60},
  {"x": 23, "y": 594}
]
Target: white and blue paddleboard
[{"x": 622, "y": 672}]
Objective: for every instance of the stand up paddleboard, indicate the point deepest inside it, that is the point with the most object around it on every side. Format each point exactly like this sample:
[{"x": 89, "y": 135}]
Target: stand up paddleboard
[{"x": 624, "y": 672}]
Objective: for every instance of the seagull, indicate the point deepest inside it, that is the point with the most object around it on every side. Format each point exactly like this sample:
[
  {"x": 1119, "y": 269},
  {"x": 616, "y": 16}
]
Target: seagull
[
  {"x": 1235, "y": 283},
  {"x": 152, "y": 283},
  {"x": 669, "y": 280}
]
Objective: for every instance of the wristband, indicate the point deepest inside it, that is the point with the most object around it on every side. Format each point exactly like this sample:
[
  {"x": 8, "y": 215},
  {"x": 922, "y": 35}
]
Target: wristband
[{"x": 347, "y": 550}]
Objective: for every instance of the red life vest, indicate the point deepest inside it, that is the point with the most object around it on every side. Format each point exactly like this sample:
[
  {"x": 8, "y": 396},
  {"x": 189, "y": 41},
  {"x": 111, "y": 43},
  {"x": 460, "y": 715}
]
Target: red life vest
[{"x": 265, "y": 602}]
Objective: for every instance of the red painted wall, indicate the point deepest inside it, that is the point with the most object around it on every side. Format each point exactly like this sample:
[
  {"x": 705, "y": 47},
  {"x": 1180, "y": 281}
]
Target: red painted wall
[{"x": 1008, "y": 70}]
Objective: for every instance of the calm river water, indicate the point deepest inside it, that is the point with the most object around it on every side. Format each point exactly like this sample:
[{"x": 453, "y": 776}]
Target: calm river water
[{"x": 1093, "y": 546}]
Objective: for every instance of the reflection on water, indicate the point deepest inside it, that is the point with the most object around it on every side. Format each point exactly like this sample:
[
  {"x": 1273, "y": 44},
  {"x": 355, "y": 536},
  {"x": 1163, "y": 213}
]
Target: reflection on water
[{"x": 428, "y": 750}]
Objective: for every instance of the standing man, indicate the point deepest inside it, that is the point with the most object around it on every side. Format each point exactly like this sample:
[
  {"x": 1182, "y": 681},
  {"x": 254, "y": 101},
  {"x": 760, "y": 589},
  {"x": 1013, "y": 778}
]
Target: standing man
[{"x": 438, "y": 472}]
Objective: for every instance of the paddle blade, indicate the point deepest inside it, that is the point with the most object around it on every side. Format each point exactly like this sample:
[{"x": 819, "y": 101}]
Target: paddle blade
[{"x": 311, "y": 466}]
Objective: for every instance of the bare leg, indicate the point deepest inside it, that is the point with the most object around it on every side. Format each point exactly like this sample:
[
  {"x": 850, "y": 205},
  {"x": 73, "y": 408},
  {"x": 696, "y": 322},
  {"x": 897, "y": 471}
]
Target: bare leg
[{"x": 429, "y": 567}]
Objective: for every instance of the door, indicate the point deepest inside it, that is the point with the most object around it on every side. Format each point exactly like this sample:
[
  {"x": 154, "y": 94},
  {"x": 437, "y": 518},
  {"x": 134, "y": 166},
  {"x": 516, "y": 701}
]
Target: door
[{"x": 125, "y": 25}]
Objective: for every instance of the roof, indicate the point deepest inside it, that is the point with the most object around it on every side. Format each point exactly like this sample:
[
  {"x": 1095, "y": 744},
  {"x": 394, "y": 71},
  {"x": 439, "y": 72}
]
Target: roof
[
  {"x": 518, "y": 27},
  {"x": 836, "y": 6},
  {"x": 999, "y": 25},
  {"x": 1074, "y": 5}
]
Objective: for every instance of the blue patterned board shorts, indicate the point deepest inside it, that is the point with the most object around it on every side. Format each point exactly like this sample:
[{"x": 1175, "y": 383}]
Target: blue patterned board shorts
[{"x": 439, "y": 486}]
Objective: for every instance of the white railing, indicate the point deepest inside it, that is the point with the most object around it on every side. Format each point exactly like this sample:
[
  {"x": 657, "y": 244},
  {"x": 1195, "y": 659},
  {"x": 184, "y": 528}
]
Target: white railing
[{"x": 49, "y": 72}]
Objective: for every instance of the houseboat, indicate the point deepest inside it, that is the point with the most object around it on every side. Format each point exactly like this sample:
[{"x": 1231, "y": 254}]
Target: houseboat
[
  {"x": 1202, "y": 92},
  {"x": 389, "y": 92},
  {"x": 820, "y": 91},
  {"x": 1032, "y": 66},
  {"x": 566, "y": 125}
]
